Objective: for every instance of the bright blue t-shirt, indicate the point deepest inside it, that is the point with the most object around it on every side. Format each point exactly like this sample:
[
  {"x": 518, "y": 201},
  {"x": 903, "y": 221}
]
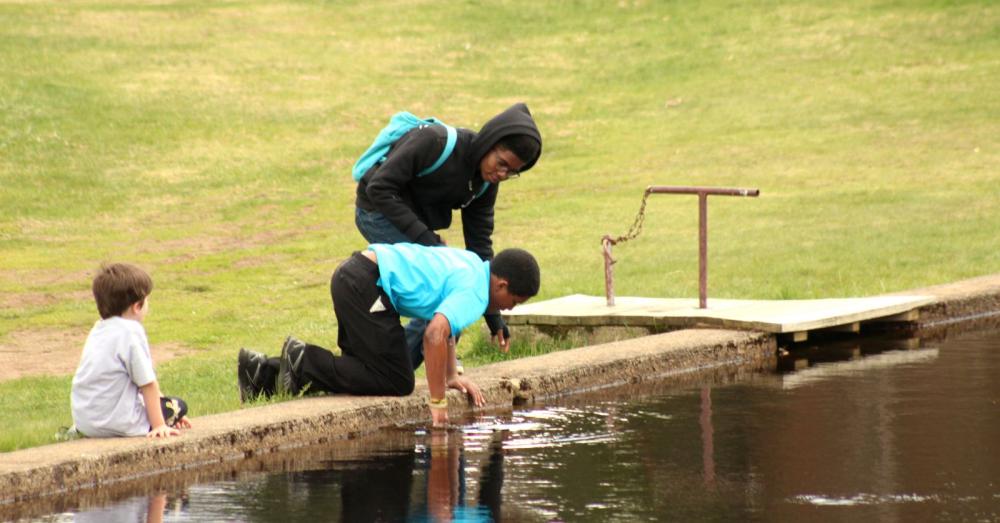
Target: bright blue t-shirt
[{"x": 421, "y": 281}]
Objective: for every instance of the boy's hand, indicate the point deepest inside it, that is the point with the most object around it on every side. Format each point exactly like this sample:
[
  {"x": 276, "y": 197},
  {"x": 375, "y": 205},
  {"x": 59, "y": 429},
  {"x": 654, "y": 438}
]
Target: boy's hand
[
  {"x": 501, "y": 340},
  {"x": 163, "y": 431},
  {"x": 467, "y": 386},
  {"x": 499, "y": 333},
  {"x": 182, "y": 423}
]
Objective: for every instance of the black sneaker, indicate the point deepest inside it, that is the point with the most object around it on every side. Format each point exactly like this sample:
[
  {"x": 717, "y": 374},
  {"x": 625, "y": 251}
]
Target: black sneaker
[
  {"x": 289, "y": 366},
  {"x": 249, "y": 373}
]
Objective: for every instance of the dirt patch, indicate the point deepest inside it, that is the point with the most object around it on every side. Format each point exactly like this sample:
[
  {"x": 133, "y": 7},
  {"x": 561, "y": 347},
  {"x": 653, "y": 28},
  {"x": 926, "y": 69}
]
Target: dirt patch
[
  {"x": 194, "y": 247},
  {"x": 56, "y": 352},
  {"x": 42, "y": 278},
  {"x": 24, "y": 300}
]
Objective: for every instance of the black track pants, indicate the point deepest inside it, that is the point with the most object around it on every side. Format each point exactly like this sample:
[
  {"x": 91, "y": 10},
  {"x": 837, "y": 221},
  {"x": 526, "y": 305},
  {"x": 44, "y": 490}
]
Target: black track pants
[{"x": 374, "y": 359}]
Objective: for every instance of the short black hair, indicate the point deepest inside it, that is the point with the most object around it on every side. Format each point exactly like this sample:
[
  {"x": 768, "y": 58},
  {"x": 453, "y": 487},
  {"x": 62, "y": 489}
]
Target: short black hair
[
  {"x": 520, "y": 269},
  {"x": 525, "y": 147}
]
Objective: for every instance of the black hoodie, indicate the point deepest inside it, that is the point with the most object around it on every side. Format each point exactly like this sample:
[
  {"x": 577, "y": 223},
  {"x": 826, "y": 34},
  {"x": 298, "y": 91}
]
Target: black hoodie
[{"x": 418, "y": 206}]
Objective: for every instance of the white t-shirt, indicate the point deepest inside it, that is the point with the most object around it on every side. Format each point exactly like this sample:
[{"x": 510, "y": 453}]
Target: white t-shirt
[{"x": 105, "y": 399}]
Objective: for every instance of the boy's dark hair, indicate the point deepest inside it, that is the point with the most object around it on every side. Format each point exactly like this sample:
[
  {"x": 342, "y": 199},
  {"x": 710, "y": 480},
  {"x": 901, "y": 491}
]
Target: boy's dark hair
[
  {"x": 523, "y": 146},
  {"x": 520, "y": 269},
  {"x": 117, "y": 286}
]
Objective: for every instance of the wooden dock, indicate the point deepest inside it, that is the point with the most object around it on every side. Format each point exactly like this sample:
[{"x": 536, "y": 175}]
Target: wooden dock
[{"x": 791, "y": 318}]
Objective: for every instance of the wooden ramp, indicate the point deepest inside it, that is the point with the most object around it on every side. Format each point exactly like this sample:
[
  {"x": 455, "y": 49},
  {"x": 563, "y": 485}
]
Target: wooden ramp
[{"x": 792, "y": 317}]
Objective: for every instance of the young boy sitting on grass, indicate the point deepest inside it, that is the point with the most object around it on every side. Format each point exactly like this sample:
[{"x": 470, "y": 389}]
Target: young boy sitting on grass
[{"x": 115, "y": 392}]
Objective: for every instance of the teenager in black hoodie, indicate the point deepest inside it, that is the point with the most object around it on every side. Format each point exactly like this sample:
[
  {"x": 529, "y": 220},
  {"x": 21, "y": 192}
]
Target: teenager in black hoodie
[{"x": 396, "y": 205}]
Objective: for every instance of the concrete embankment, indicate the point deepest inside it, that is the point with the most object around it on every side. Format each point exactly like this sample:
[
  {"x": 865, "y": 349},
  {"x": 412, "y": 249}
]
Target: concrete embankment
[
  {"x": 965, "y": 302},
  {"x": 253, "y": 432}
]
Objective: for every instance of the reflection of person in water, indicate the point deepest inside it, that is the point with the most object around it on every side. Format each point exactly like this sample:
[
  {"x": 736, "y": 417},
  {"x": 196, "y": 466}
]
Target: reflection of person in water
[
  {"x": 374, "y": 488},
  {"x": 369, "y": 488},
  {"x": 380, "y": 490},
  {"x": 139, "y": 508},
  {"x": 445, "y": 457},
  {"x": 492, "y": 478}
]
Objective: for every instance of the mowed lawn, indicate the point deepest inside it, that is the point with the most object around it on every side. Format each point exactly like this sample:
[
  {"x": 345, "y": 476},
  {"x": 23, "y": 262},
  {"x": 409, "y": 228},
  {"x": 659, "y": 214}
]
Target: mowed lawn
[{"x": 210, "y": 142}]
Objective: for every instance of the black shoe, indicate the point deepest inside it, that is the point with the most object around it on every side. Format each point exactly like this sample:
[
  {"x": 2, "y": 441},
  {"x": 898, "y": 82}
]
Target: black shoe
[
  {"x": 249, "y": 374},
  {"x": 289, "y": 366}
]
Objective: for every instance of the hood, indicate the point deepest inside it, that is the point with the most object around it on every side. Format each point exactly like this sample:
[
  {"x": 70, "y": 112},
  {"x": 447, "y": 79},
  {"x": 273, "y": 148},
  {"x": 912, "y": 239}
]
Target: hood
[{"x": 516, "y": 119}]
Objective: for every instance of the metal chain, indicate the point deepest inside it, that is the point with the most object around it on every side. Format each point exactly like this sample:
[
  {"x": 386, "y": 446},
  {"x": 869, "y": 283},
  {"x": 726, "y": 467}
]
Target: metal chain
[{"x": 636, "y": 227}]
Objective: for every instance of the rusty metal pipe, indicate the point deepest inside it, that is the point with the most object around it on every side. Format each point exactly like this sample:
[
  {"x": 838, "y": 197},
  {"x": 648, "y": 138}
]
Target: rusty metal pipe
[
  {"x": 703, "y": 194},
  {"x": 702, "y": 250},
  {"x": 720, "y": 191},
  {"x": 609, "y": 277}
]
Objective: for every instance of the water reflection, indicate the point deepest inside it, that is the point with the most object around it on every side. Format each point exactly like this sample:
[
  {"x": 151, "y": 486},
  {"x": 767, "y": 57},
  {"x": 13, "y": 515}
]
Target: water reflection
[
  {"x": 425, "y": 480},
  {"x": 140, "y": 508},
  {"x": 444, "y": 456},
  {"x": 864, "y": 429}
]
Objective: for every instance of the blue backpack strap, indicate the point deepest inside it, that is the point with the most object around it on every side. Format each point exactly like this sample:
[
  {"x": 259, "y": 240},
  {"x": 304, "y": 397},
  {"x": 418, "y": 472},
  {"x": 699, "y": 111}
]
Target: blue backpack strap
[
  {"x": 481, "y": 191},
  {"x": 400, "y": 124},
  {"x": 449, "y": 146}
]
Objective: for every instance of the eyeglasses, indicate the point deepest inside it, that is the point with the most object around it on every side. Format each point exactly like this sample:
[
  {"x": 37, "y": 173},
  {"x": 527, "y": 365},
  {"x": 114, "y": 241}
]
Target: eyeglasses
[{"x": 504, "y": 168}]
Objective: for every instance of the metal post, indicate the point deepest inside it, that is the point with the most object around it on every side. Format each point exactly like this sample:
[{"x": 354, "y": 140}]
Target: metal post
[
  {"x": 609, "y": 277},
  {"x": 707, "y": 437},
  {"x": 702, "y": 250}
]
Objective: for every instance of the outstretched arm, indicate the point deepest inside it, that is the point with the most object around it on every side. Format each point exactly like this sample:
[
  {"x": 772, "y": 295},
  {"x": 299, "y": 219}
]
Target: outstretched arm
[
  {"x": 436, "y": 362},
  {"x": 499, "y": 333}
]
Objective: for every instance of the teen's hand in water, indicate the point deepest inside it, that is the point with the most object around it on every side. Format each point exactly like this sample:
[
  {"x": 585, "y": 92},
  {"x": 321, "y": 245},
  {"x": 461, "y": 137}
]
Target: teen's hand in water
[{"x": 439, "y": 418}]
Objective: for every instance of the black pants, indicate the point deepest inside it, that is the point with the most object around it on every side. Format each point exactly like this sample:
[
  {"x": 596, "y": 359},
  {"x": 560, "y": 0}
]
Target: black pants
[{"x": 374, "y": 359}]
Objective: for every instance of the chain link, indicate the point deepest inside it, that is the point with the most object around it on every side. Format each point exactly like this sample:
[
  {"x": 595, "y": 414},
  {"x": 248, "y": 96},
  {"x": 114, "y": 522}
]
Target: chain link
[{"x": 636, "y": 227}]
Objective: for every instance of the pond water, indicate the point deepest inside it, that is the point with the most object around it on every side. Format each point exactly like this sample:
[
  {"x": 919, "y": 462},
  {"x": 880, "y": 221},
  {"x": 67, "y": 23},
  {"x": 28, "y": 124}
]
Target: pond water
[{"x": 855, "y": 430}]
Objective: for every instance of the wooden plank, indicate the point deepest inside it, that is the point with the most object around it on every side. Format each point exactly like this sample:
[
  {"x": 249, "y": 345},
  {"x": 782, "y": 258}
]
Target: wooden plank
[
  {"x": 777, "y": 316},
  {"x": 908, "y": 316},
  {"x": 854, "y": 328},
  {"x": 794, "y": 337}
]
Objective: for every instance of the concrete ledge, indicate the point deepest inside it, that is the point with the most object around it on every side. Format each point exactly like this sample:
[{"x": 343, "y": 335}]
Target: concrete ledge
[
  {"x": 95, "y": 463},
  {"x": 966, "y": 300}
]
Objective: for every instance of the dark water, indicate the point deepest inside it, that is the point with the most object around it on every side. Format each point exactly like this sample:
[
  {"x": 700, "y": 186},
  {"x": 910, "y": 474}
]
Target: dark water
[{"x": 862, "y": 430}]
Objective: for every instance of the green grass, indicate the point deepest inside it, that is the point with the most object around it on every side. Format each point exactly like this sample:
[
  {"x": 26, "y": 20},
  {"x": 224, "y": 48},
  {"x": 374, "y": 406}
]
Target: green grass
[{"x": 210, "y": 142}]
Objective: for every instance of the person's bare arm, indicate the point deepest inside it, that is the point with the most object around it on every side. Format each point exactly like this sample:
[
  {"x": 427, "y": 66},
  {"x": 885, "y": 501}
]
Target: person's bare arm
[
  {"x": 436, "y": 361},
  {"x": 151, "y": 397},
  {"x": 154, "y": 513},
  {"x": 442, "y": 485}
]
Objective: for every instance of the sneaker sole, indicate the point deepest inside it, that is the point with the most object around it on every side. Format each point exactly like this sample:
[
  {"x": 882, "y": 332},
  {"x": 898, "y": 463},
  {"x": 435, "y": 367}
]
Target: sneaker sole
[
  {"x": 246, "y": 383},
  {"x": 286, "y": 368},
  {"x": 280, "y": 388}
]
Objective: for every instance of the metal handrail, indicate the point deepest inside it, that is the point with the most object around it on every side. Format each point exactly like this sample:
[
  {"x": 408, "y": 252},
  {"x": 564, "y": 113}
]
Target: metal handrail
[{"x": 703, "y": 194}]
